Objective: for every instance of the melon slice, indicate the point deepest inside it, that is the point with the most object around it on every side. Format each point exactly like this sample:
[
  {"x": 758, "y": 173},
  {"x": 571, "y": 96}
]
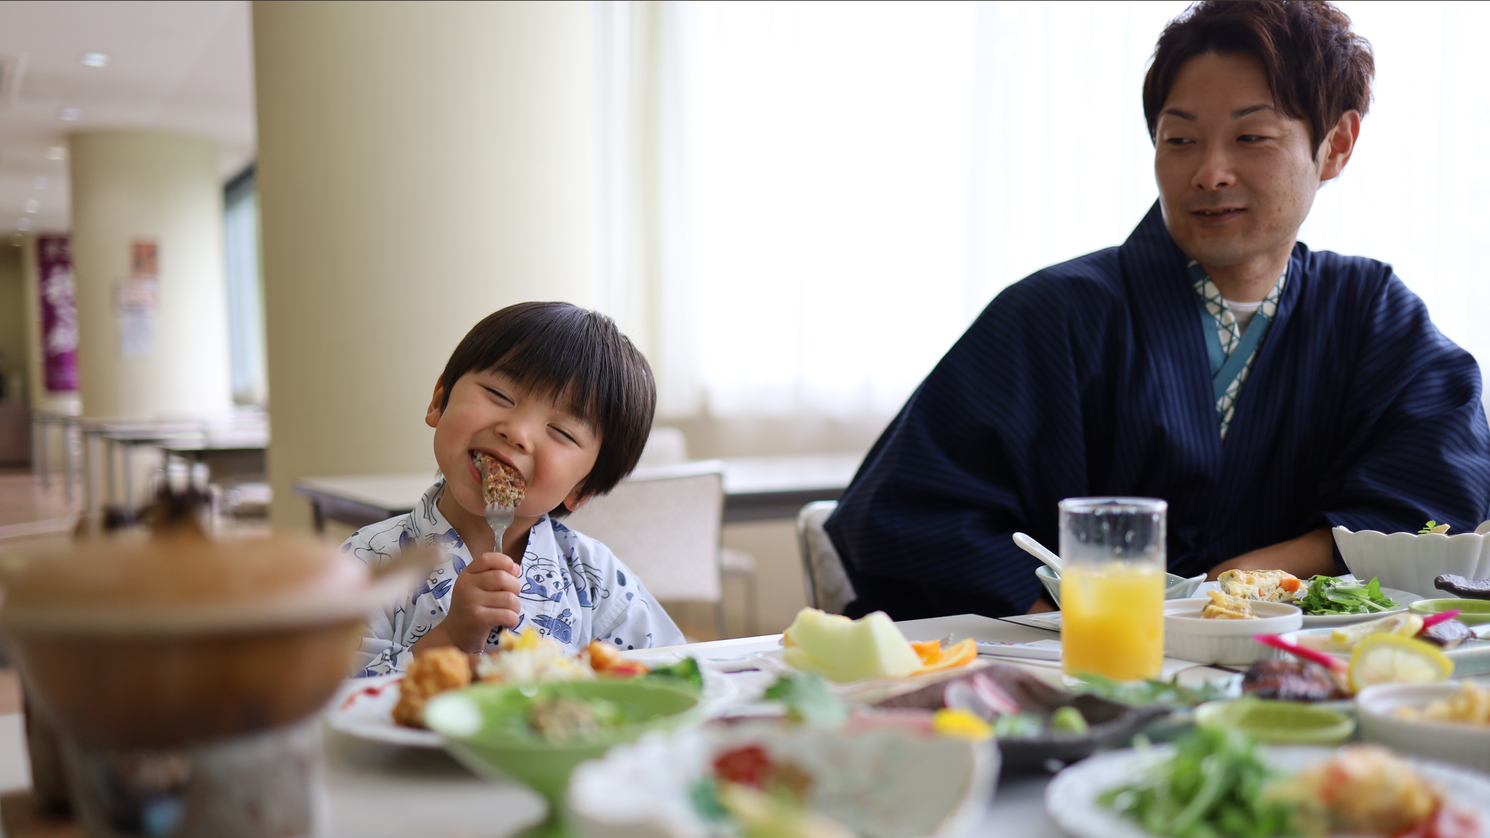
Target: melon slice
[{"x": 846, "y": 650}]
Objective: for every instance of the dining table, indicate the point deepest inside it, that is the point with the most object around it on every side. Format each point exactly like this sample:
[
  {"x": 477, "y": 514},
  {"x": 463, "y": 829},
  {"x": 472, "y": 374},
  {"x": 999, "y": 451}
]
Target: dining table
[{"x": 379, "y": 790}]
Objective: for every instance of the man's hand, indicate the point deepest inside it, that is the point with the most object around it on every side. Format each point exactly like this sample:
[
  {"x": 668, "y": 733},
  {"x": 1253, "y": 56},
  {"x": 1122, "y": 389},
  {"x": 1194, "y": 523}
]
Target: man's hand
[
  {"x": 484, "y": 597},
  {"x": 1309, "y": 554}
]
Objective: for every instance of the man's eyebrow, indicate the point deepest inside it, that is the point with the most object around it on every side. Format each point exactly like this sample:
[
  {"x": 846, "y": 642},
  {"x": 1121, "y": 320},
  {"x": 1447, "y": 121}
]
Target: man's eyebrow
[
  {"x": 1251, "y": 109},
  {"x": 1179, "y": 113}
]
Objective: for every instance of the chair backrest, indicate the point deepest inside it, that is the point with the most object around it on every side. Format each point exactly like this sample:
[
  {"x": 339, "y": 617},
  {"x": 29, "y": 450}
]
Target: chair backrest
[
  {"x": 666, "y": 446},
  {"x": 828, "y": 587},
  {"x": 664, "y": 523}
]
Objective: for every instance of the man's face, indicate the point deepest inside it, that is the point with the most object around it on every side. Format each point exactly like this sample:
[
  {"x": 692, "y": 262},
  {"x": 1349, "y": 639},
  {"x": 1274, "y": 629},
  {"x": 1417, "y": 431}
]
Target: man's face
[{"x": 1236, "y": 177}]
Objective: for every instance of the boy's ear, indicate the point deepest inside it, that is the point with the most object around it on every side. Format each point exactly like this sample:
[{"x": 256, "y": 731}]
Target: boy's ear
[
  {"x": 576, "y": 500},
  {"x": 432, "y": 416}
]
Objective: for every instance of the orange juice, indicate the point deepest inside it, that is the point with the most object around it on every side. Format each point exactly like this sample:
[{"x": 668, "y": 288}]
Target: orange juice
[{"x": 1112, "y": 620}]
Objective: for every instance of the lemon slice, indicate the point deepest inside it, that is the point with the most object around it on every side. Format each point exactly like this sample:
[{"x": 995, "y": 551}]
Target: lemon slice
[{"x": 1392, "y": 658}]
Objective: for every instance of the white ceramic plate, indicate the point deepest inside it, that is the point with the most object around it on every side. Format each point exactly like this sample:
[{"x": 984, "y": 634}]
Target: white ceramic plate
[
  {"x": 1402, "y": 598},
  {"x": 1071, "y": 798},
  {"x": 1470, "y": 658},
  {"x": 363, "y": 707}
]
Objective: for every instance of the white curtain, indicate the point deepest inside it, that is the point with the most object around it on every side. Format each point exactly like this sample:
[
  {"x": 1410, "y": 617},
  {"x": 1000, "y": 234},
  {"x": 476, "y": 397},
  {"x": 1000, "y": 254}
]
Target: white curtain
[{"x": 841, "y": 187}]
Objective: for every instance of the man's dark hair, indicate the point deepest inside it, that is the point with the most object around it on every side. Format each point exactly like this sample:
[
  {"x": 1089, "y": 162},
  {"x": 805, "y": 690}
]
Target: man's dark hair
[
  {"x": 1316, "y": 67},
  {"x": 581, "y": 360}
]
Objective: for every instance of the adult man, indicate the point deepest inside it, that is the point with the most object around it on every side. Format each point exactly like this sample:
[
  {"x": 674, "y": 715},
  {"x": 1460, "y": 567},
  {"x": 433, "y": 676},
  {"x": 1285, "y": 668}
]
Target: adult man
[{"x": 1268, "y": 392}]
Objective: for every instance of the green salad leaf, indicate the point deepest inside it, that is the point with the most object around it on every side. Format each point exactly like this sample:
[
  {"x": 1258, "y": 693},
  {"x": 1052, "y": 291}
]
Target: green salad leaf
[
  {"x": 1170, "y": 693},
  {"x": 684, "y": 670},
  {"x": 809, "y": 701},
  {"x": 1331, "y": 595},
  {"x": 1213, "y": 787}
]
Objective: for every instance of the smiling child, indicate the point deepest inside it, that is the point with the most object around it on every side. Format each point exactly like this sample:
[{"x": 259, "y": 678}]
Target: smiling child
[{"x": 557, "y": 393}]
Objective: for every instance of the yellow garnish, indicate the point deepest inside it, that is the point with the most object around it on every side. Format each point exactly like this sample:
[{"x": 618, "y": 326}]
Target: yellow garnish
[
  {"x": 1392, "y": 658},
  {"x": 961, "y": 724}
]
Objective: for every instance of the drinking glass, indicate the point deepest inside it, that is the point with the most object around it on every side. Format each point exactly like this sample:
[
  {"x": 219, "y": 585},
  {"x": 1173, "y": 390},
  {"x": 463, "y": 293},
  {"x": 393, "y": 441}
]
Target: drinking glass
[{"x": 1112, "y": 587}]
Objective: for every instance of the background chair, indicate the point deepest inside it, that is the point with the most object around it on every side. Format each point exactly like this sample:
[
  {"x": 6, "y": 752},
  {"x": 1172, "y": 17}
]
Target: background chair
[
  {"x": 664, "y": 523},
  {"x": 828, "y": 587}
]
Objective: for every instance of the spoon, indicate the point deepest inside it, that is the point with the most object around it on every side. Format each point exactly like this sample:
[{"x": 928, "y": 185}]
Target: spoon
[{"x": 1036, "y": 549}]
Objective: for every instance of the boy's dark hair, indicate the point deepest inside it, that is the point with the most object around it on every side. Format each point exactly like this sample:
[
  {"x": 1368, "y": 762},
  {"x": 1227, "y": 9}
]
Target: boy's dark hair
[
  {"x": 581, "y": 360},
  {"x": 1316, "y": 67}
]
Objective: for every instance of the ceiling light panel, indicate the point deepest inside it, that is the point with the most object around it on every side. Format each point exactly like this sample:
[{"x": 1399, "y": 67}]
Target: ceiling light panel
[
  {"x": 71, "y": 114},
  {"x": 94, "y": 59}
]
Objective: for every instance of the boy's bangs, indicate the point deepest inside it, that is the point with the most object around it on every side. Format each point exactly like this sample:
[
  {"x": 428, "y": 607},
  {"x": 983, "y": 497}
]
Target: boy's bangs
[{"x": 558, "y": 367}]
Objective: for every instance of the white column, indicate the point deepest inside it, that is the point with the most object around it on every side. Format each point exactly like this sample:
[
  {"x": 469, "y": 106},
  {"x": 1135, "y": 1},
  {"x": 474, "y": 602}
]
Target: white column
[
  {"x": 420, "y": 166},
  {"x": 129, "y": 186}
]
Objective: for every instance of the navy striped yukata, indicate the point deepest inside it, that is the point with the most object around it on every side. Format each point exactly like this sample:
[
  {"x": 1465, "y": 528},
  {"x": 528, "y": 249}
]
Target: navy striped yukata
[{"x": 1093, "y": 377}]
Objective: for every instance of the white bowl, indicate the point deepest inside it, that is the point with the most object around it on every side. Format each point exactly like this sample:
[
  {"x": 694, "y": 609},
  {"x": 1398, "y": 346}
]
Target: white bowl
[
  {"x": 1465, "y": 744},
  {"x": 1190, "y": 637},
  {"x": 884, "y": 780},
  {"x": 1410, "y": 562}
]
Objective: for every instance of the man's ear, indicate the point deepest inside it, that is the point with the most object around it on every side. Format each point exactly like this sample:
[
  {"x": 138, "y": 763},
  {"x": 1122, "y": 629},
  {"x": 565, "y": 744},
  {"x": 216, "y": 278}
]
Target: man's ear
[
  {"x": 1338, "y": 145},
  {"x": 432, "y": 416}
]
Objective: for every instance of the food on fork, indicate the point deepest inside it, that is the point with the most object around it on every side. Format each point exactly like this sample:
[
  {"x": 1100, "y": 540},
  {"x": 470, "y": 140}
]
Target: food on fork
[
  {"x": 1263, "y": 585},
  {"x": 1459, "y": 586},
  {"x": 436, "y": 671},
  {"x": 1226, "y": 607},
  {"x": 501, "y": 484}
]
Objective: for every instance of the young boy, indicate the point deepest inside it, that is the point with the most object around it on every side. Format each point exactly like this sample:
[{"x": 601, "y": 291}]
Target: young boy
[{"x": 559, "y": 394}]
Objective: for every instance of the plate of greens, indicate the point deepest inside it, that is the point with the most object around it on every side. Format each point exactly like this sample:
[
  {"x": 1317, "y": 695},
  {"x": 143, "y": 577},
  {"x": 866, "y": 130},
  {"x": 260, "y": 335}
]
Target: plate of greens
[
  {"x": 1341, "y": 600},
  {"x": 1219, "y": 784}
]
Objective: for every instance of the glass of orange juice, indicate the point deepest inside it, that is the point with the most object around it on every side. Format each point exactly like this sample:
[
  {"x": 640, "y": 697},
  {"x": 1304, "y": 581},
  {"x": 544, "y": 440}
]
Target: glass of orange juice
[{"x": 1112, "y": 587}]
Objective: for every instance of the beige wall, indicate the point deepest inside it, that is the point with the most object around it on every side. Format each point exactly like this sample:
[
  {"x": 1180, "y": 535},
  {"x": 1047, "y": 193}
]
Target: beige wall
[
  {"x": 130, "y": 184},
  {"x": 12, "y": 321},
  {"x": 420, "y": 165}
]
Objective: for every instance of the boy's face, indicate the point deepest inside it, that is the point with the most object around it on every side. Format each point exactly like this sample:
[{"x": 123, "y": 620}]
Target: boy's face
[{"x": 488, "y": 412}]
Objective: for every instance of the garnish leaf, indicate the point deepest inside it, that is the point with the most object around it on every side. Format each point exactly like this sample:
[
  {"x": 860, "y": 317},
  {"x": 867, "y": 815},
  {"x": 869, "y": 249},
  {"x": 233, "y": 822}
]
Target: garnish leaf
[{"x": 809, "y": 701}]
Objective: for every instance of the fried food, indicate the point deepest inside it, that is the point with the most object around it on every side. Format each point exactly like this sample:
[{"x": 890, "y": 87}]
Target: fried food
[
  {"x": 1227, "y": 607},
  {"x": 1362, "y": 790},
  {"x": 501, "y": 484},
  {"x": 1470, "y": 705},
  {"x": 1263, "y": 585},
  {"x": 436, "y": 671}
]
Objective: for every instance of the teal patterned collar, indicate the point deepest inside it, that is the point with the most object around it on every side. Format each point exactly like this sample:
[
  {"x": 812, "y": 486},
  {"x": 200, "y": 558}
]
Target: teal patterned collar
[{"x": 1231, "y": 352}]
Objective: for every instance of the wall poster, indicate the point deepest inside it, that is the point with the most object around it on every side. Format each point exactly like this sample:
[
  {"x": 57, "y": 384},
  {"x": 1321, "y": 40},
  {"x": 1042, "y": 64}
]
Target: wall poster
[{"x": 59, "y": 315}]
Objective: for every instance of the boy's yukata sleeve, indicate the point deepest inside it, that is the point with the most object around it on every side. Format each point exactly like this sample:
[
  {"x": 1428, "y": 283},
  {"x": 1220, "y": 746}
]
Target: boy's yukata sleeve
[
  {"x": 626, "y": 614},
  {"x": 385, "y": 649}
]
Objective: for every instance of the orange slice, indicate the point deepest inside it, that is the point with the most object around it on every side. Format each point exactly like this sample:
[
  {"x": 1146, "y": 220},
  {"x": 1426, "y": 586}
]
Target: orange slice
[{"x": 935, "y": 658}]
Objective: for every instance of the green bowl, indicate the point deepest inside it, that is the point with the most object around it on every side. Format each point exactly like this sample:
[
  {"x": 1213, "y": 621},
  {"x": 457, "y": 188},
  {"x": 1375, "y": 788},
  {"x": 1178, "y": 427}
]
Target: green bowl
[
  {"x": 1473, "y": 612},
  {"x": 474, "y": 724},
  {"x": 1280, "y": 722}
]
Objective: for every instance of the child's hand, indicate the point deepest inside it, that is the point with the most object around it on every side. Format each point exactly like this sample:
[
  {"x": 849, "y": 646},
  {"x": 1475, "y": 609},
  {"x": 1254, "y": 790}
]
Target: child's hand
[{"x": 484, "y": 597}]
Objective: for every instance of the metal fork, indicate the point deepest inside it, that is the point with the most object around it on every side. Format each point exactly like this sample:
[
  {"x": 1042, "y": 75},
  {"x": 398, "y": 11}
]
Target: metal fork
[{"x": 499, "y": 518}]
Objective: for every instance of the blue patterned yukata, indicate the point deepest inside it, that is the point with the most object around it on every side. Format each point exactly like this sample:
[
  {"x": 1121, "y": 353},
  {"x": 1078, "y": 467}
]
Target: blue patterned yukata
[{"x": 574, "y": 589}]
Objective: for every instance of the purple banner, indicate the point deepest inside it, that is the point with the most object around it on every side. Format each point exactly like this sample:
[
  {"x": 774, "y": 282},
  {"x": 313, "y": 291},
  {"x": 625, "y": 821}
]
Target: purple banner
[{"x": 59, "y": 318}]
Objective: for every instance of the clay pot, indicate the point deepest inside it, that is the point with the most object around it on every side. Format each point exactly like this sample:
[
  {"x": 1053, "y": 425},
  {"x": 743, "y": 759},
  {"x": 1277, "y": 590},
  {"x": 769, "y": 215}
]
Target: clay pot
[{"x": 131, "y": 643}]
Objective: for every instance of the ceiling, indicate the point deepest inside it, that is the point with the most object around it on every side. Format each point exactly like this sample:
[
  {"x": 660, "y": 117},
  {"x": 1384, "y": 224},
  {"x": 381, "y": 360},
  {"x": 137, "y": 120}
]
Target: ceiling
[{"x": 182, "y": 66}]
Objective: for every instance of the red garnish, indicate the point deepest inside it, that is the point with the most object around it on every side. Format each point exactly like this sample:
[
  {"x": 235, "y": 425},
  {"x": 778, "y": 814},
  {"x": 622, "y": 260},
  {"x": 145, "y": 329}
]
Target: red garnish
[
  {"x": 369, "y": 691},
  {"x": 1445, "y": 822},
  {"x": 1330, "y": 661},
  {"x": 748, "y": 766},
  {"x": 1441, "y": 617},
  {"x": 1290, "y": 584}
]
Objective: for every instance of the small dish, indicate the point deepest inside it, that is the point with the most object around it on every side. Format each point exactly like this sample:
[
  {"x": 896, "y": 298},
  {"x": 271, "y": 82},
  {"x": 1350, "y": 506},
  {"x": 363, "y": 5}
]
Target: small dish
[
  {"x": 1190, "y": 637},
  {"x": 1465, "y": 744},
  {"x": 1472, "y": 612},
  {"x": 1175, "y": 586},
  {"x": 1410, "y": 562},
  {"x": 1278, "y": 722}
]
